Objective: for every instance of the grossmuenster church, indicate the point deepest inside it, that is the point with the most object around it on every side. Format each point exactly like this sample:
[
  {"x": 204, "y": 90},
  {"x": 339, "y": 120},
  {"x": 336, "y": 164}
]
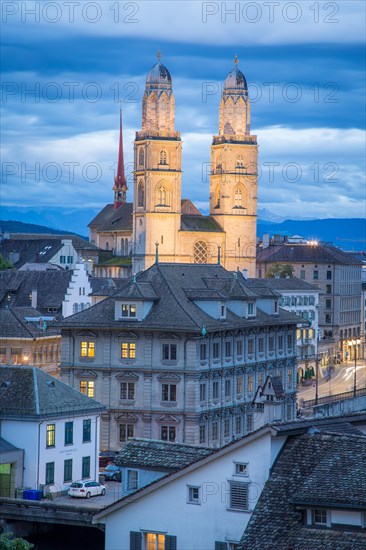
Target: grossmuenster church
[{"x": 159, "y": 223}]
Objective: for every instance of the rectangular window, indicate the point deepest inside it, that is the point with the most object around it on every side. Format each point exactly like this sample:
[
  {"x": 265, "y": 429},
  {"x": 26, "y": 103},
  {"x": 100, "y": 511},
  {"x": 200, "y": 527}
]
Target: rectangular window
[
  {"x": 239, "y": 347},
  {"x": 50, "y": 435},
  {"x": 302, "y": 274},
  {"x": 167, "y": 433},
  {"x": 62, "y": 259},
  {"x": 129, "y": 310},
  {"x": 280, "y": 342},
  {"x": 203, "y": 392},
  {"x": 128, "y": 390},
  {"x": 128, "y": 350},
  {"x": 227, "y": 387},
  {"x": 87, "y": 349},
  {"x": 227, "y": 349},
  {"x": 126, "y": 431},
  {"x": 238, "y": 425},
  {"x": 239, "y": 385},
  {"x": 216, "y": 350},
  {"x": 240, "y": 469},
  {"x": 16, "y": 356},
  {"x": 328, "y": 303},
  {"x": 67, "y": 470},
  {"x": 289, "y": 378},
  {"x": 289, "y": 341},
  {"x": 271, "y": 344},
  {"x": 155, "y": 541},
  {"x": 328, "y": 289},
  {"x": 87, "y": 387},
  {"x": 328, "y": 319},
  {"x": 50, "y": 473},
  {"x": 215, "y": 431},
  {"x": 215, "y": 390},
  {"x": 70, "y": 259},
  {"x": 2, "y": 356},
  {"x": 315, "y": 274},
  {"x": 169, "y": 352},
  {"x": 69, "y": 433},
  {"x": 250, "y": 346},
  {"x": 329, "y": 275},
  {"x": 261, "y": 345},
  {"x": 203, "y": 352},
  {"x": 132, "y": 480},
  {"x": 85, "y": 468},
  {"x": 250, "y": 308},
  {"x": 202, "y": 433},
  {"x": 169, "y": 392},
  {"x": 260, "y": 379},
  {"x": 320, "y": 517},
  {"x": 86, "y": 431},
  {"x": 194, "y": 496},
  {"x": 249, "y": 423},
  {"x": 250, "y": 383},
  {"x": 226, "y": 427},
  {"x": 239, "y": 495}
]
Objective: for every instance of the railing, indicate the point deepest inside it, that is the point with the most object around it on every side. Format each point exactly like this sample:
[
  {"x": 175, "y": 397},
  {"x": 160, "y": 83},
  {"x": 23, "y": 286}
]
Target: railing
[{"x": 333, "y": 398}]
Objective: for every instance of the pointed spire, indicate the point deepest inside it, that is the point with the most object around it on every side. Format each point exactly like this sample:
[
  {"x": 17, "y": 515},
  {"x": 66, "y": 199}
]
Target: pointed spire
[
  {"x": 120, "y": 183},
  {"x": 236, "y": 60},
  {"x": 156, "y": 252},
  {"x": 158, "y": 55}
]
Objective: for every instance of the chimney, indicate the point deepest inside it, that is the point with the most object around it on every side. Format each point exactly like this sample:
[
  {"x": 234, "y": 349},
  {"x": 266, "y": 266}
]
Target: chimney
[
  {"x": 265, "y": 240},
  {"x": 34, "y": 298},
  {"x": 245, "y": 273}
]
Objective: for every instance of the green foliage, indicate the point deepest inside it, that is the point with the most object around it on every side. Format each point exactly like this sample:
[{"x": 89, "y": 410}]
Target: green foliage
[
  {"x": 8, "y": 542},
  {"x": 281, "y": 270},
  {"x": 4, "y": 264}
]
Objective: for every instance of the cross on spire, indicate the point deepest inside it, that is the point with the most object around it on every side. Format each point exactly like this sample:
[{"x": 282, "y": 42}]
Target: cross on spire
[{"x": 236, "y": 60}]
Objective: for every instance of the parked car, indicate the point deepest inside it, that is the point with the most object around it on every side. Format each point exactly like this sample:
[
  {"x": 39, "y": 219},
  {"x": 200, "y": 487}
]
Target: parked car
[
  {"x": 86, "y": 489},
  {"x": 111, "y": 473}
]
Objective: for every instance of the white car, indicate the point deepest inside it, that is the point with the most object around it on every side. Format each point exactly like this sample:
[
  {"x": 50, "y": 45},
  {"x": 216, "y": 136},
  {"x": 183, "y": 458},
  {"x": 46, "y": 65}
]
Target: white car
[{"x": 86, "y": 489}]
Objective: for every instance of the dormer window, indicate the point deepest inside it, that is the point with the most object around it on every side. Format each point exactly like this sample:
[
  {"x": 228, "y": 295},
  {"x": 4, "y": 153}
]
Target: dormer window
[
  {"x": 129, "y": 311},
  {"x": 223, "y": 311},
  {"x": 276, "y": 307},
  {"x": 250, "y": 308}
]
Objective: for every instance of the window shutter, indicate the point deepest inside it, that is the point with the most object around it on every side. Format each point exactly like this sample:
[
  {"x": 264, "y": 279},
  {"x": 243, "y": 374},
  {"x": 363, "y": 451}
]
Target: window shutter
[
  {"x": 238, "y": 495},
  {"x": 135, "y": 540},
  {"x": 220, "y": 545},
  {"x": 170, "y": 542}
]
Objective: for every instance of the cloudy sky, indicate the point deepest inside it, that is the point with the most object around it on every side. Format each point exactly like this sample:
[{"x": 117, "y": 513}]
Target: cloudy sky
[{"x": 69, "y": 65}]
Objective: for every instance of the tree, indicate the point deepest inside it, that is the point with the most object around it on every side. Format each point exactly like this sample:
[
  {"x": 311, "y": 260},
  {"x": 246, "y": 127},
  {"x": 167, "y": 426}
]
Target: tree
[
  {"x": 280, "y": 270},
  {"x": 8, "y": 542},
  {"x": 4, "y": 264}
]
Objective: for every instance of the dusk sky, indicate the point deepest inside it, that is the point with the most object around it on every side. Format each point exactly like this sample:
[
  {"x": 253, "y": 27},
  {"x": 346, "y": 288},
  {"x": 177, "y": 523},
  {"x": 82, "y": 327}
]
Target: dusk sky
[{"x": 68, "y": 66}]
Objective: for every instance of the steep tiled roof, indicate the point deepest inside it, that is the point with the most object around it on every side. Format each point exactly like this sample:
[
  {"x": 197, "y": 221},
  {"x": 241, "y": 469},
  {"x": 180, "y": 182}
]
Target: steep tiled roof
[
  {"x": 51, "y": 288},
  {"x": 79, "y": 243},
  {"x": 111, "y": 219},
  {"x": 321, "y": 253},
  {"x": 200, "y": 223},
  {"x": 14, "y": 324},
  {"x": 278, "y": 387},
  {"x": 159, "y": 455},
  {"x": 29, "y": 393},
  {"x": 317, "y": 468},
  {"x": 173, "y": 310}
]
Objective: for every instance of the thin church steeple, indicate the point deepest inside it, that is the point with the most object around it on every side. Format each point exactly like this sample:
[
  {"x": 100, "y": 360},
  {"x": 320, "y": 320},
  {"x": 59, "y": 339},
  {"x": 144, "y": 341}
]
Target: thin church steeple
[{"x": 120, "y": 184}]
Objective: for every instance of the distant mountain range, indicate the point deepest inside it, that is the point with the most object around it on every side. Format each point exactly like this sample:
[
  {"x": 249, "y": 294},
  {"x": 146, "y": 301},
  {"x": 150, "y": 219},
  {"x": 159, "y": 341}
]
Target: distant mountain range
[{"x": 347, "y": 233}]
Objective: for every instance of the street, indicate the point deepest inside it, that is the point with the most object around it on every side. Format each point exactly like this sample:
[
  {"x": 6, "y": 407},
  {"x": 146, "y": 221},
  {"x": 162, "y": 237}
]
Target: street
[{"x": 342, "y": 380}]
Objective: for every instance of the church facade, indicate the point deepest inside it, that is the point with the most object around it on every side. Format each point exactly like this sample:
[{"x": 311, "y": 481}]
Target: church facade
[{"x": 158, "y": 222}]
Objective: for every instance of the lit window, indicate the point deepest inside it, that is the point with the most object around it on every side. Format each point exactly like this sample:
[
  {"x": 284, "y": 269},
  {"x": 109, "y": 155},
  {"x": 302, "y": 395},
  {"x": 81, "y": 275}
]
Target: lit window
[
  {"x": 129, "y": 310},
  {"x": 50, "y": 435},
  {"x": 128, "y": 350},
  {"x": 87, "y": 349},
  {"x": 239, "y": 385},
  {"x": 87, "y": 387},
  {"x": 250, "y": 383},
  {"x": 155, "y": 541},
  {"x": 194, "y": 495}
]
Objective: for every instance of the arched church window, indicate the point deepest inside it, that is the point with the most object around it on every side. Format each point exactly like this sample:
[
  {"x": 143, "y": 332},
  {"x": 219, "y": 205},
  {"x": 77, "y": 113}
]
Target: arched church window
[
  {"x": 141, "y": 157},
  {"x": 162, "y": 195},
  {"x": 163, "y": 157},
  {"x": 200, "y": 252},
  {"x": 238, "y": 198},
  {"x": 141, "y": 194}
]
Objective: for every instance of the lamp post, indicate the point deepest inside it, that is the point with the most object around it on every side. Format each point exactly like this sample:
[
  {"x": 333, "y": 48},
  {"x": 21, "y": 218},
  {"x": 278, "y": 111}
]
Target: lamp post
[
  {"x": 355, "y": 376},
  {"x": 316, "y": 380}
]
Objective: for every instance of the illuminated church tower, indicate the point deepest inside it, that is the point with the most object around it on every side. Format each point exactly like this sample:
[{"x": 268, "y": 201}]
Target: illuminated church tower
[
  {"x": 233, "y": 181},
  {"x": 157, "y": 175}
]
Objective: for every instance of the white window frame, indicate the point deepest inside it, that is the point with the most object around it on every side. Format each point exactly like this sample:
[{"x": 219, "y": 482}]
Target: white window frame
[
  {"x": 190, "y": 497},
  {"x": 238, "y": 466}
]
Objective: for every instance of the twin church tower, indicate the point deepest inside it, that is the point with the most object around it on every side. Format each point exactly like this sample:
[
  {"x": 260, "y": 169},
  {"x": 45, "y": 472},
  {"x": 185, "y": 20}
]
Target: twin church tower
[{"x": 159, "y": 224}]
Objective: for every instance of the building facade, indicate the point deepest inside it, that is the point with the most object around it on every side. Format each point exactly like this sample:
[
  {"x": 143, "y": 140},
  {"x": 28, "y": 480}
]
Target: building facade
[
  {"x": 178, "y": 353},
  {"x": 338, "y": 276},
  {"x": 158, "y": 217}
]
